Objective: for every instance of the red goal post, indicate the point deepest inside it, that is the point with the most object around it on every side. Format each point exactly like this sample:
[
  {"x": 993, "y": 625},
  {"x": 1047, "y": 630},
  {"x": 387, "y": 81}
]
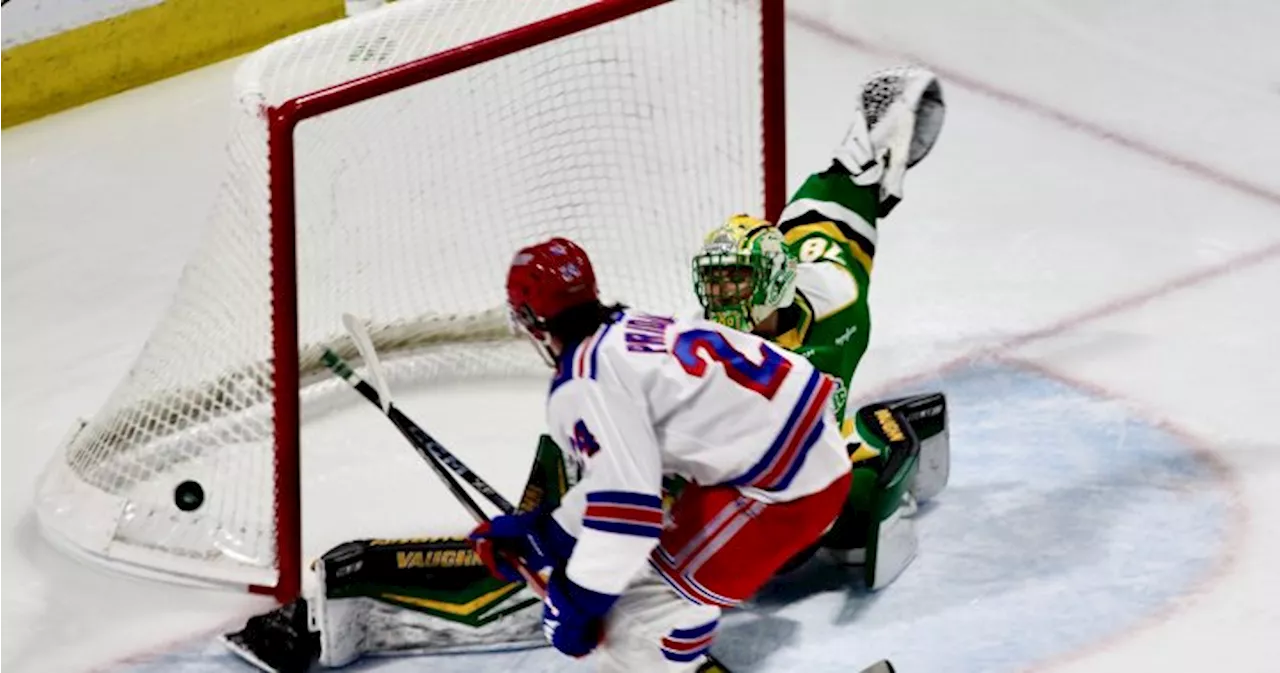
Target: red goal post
[{"x": 632, "y": 126}]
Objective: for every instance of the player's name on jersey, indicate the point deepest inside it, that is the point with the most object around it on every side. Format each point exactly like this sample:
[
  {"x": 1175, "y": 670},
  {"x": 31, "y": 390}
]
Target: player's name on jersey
[{"x": 647, "y": 333}]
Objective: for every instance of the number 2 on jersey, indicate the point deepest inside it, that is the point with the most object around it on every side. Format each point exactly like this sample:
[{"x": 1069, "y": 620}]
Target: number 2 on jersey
[{"x": 698, "y": 348}]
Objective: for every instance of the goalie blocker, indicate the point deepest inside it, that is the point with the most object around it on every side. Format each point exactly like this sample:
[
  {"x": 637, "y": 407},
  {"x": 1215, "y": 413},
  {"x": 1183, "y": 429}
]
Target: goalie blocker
[{"x": 434, "y": 595}]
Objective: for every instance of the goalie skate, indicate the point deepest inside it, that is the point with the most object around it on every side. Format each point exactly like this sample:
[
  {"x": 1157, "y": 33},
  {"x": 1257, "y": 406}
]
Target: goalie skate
[{"x": 279, "y": 641}]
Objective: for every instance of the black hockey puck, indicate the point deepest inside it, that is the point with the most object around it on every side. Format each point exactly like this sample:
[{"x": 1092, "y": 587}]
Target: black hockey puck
[{"x": 188, "y": 496}]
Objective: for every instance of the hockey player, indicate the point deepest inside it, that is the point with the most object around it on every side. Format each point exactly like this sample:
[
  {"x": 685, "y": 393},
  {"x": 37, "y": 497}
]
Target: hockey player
[
  {"x": 747, "y": 276},
  {"x": 435, "y": 595},
  {"x": 636, "y": 397}
]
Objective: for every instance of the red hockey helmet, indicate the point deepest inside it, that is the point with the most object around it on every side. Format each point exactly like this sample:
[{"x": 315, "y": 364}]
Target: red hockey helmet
[{"x": 545, "y": 280}]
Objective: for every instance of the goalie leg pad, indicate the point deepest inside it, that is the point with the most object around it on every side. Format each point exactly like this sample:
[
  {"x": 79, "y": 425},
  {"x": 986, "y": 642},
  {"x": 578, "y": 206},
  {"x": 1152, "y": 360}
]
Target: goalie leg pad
[
  {"x": 404, "y": 597},
  {"x": 875, "y": 529},
  {"x": 428, "y": 595},
  {"x": 882, "y": 538},
  {"x": 927, "y": 416},
  {"x": 416, "y": 596}
]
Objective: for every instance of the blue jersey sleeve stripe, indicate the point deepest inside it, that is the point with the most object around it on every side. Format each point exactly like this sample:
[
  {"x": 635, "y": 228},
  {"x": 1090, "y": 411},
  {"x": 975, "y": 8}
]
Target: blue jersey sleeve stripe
[
  {"x": 580, "y": 357},
  {"x": 625, "y": 498},
  {"x": 564, "y": 366},
  {"x": 623, "y": 528},
  {"x": 595, "y": 351},
  {"x": 694, "y": 632}
]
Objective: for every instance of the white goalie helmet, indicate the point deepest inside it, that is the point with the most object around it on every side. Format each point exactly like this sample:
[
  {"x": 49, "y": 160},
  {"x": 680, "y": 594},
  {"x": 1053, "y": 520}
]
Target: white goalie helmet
[{"x": 899, "y": 117}]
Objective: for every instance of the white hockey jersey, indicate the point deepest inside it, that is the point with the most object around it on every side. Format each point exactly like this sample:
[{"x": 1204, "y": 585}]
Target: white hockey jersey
[{"x": 648, "y": 396}]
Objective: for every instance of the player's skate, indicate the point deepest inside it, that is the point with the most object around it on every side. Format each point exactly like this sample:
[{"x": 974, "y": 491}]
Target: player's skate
[
  {"x": 898, "y": 119},
  {"x": 279, "y": 641}
]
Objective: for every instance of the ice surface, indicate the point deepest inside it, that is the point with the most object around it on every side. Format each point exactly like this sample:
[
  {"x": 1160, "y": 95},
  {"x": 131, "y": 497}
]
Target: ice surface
[{"x": 1107, "y": 182}]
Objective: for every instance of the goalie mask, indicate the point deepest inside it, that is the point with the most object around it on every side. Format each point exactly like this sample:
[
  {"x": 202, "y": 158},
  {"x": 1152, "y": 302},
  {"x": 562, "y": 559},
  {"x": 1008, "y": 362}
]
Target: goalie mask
[
  {"x": 544, "y": 281},
  {"x": 744, "y": 273}
]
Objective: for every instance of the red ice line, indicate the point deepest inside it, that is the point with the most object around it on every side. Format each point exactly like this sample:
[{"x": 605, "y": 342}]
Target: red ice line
[
  {"x": 1043, "y": 110},
  {"x": 1001, "y": 349},
  {"x": 1118, "y": 305}
]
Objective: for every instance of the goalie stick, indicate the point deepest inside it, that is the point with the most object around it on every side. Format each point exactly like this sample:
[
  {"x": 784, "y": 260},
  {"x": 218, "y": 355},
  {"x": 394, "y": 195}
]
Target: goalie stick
[{"x": 424, "y": 444}]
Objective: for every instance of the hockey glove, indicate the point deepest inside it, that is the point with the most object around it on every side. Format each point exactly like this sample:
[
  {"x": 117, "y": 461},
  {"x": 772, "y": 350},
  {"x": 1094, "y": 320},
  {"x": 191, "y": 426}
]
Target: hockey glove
[
  {"x": 573, "y": 616},
  {"x": 897, "y": 121},
  {"x": 533, "y": 536}
]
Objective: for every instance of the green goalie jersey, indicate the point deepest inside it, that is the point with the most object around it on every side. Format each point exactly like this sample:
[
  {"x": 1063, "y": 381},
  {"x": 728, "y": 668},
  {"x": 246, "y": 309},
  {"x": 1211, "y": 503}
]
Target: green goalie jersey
[
  {"x": 803, "y": 285},
  {"x": 830, "y": 225}
]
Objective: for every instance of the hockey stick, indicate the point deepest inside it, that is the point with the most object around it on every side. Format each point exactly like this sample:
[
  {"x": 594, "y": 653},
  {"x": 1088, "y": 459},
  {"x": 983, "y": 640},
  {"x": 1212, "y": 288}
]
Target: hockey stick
[
  {"x": 434, "y": 453},
  {"x": 364, "y": 344},
  {"x": 381, "y": 397},
  {"x": 418, "y": 439},
  {"x": 423, "y": 442},
  {"x": 426, "y": 446}
]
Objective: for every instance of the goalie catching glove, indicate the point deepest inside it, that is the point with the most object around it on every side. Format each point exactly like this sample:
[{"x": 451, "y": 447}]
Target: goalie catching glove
[{"x": 899, "y": 117}]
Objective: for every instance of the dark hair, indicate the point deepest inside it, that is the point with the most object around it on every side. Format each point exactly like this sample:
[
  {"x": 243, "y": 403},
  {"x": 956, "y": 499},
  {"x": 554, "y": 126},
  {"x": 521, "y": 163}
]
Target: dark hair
[{"x": 579, "y": 322}]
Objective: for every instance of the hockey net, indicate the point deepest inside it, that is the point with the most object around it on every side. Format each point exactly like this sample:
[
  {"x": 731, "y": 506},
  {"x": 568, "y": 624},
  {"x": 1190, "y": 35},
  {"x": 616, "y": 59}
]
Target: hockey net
[{"x": 392, "y": 163}]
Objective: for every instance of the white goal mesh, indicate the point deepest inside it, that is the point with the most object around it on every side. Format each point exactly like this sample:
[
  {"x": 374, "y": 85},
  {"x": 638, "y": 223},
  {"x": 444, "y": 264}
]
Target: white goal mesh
[{"x": 632, "y": 138}]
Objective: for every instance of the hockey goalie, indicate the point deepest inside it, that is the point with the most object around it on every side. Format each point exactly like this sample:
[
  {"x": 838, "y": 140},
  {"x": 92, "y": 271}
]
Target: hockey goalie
[{"x": 687, "y": 462}]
